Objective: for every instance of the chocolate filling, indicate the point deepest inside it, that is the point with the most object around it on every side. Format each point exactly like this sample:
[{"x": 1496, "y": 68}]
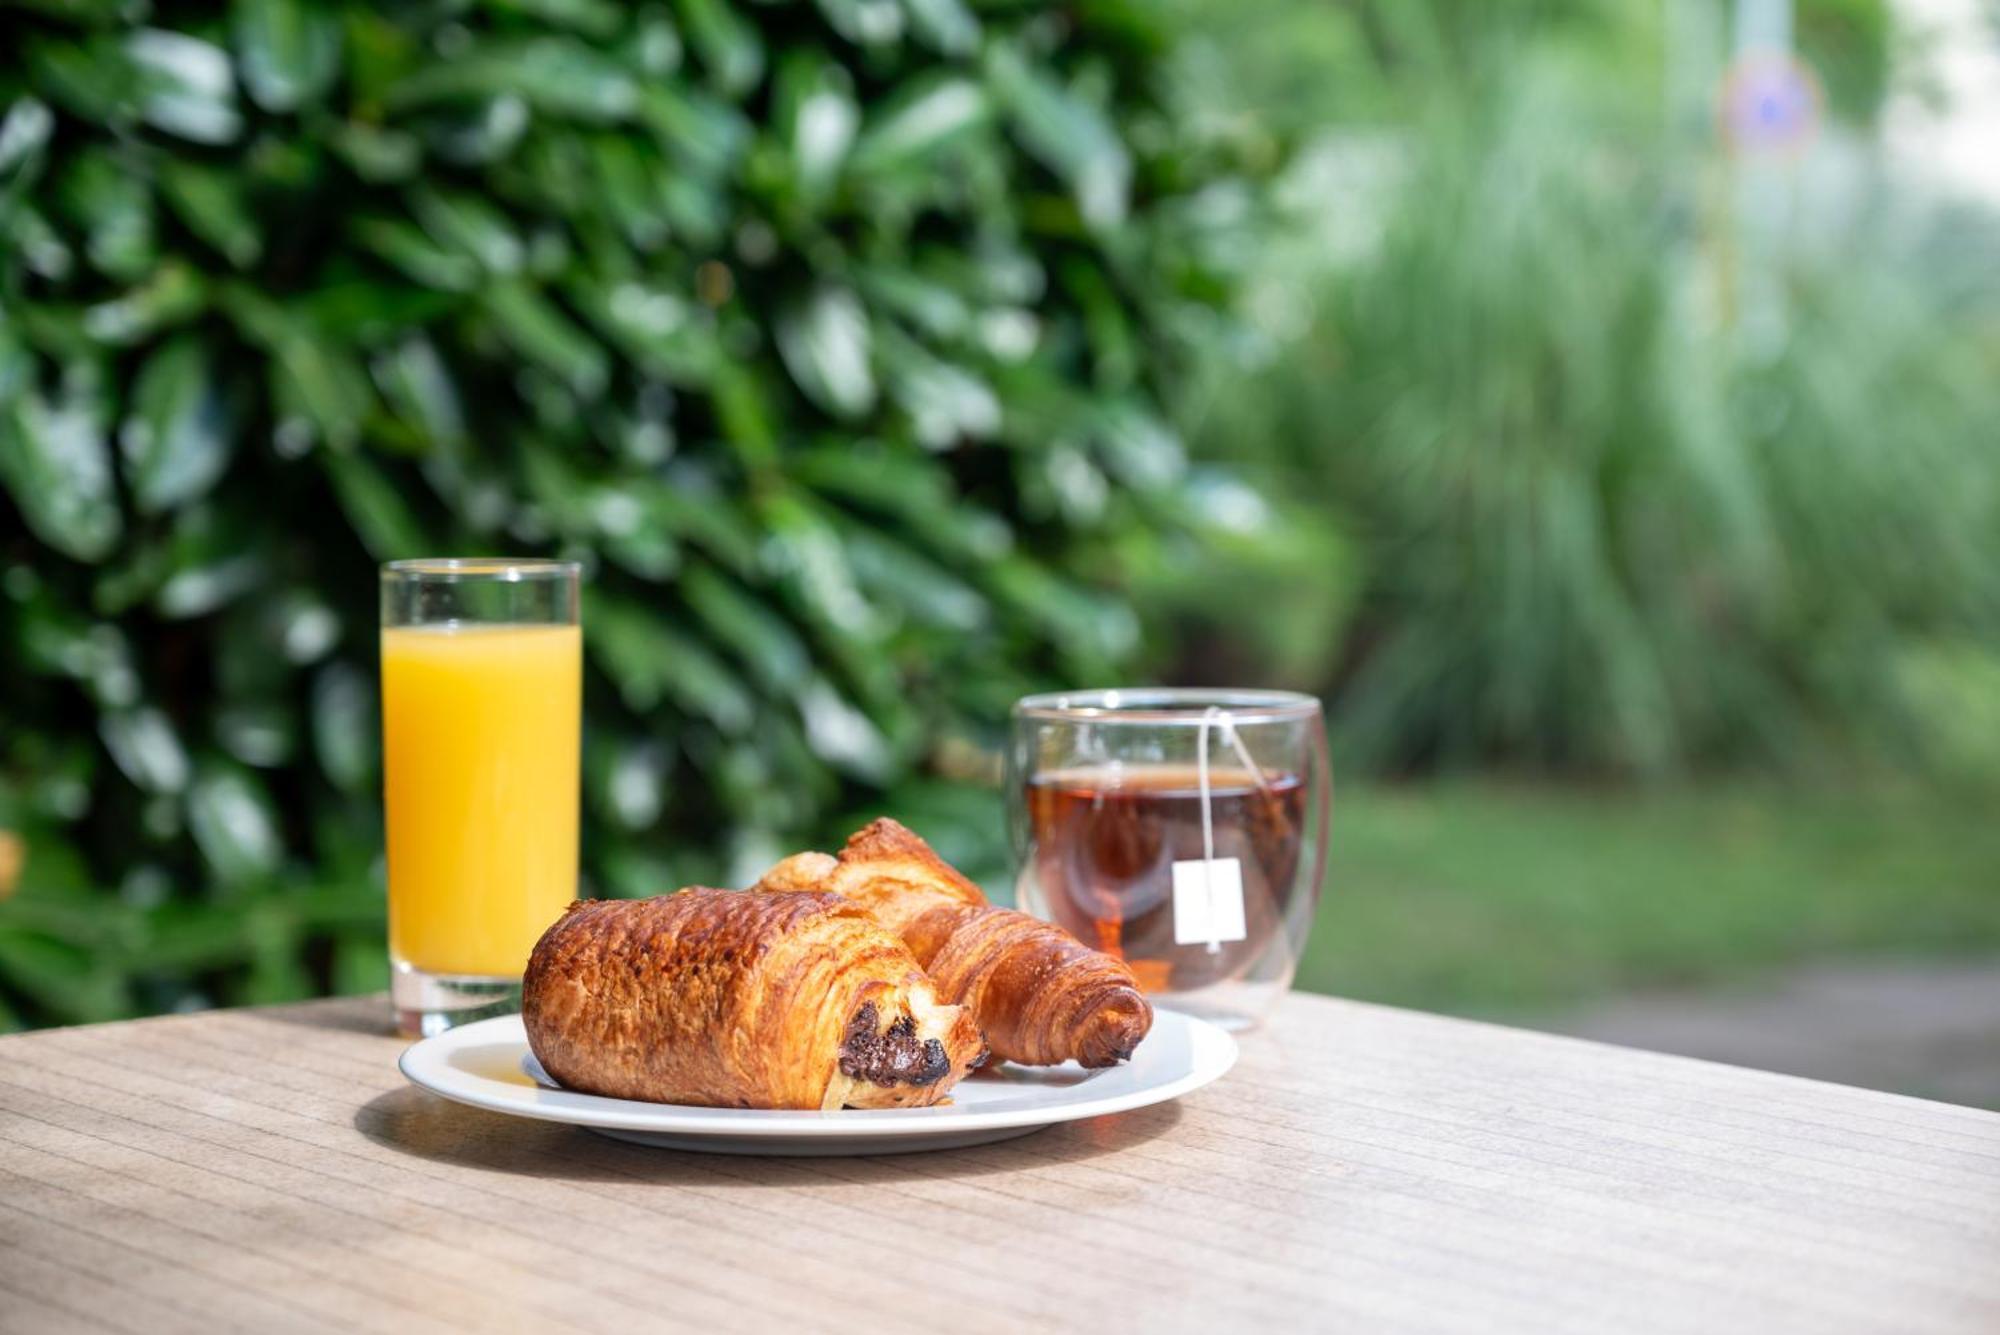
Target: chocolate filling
[{"x": 892, "y": 1057}]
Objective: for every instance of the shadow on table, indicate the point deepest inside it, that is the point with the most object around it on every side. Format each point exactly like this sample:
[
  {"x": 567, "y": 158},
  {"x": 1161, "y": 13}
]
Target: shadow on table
[{"x": 413, "y": 1122}]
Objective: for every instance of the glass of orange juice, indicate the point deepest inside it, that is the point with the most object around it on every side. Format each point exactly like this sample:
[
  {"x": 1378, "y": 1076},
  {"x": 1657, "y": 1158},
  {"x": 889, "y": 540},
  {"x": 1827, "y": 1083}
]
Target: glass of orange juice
[{"x": 482, "y": 666}]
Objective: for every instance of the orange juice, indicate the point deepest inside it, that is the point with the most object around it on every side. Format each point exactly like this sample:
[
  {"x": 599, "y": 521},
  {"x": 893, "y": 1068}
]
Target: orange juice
[{"x": 480, "y": 737}]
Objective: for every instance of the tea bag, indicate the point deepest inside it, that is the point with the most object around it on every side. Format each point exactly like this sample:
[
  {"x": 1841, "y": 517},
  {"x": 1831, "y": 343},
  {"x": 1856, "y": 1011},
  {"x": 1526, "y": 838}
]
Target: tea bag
[{"x": 1208, "y": 893}]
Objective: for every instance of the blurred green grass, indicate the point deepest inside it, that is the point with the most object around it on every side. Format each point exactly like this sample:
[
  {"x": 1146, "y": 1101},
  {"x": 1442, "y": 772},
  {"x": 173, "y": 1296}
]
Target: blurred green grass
[{"x": 1498, "y": 899}]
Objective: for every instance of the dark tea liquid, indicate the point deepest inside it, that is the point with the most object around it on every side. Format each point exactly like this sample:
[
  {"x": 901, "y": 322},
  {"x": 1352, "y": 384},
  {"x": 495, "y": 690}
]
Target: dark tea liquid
[{"x": 1106, "y": 840}]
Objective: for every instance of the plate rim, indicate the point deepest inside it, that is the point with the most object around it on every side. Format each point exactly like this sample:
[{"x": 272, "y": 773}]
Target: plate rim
[{"x": 1215, "y": 1054}]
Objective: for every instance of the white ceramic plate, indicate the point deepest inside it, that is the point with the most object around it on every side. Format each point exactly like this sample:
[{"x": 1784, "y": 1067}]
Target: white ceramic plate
[{"x": 488, "y": 1065}]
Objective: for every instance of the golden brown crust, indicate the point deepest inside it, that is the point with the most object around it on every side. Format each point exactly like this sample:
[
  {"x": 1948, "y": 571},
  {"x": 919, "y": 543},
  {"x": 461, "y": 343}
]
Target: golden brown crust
[
  {"x": 800, "y": 871},
  {"x": 896, "y": 875},
  {"x": 723, "y": 999},
  {"x": 1041, "y": 996}
]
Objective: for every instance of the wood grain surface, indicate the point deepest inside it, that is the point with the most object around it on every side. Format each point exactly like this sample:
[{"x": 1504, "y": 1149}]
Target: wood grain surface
[{"x": 1362, "y": 1169}]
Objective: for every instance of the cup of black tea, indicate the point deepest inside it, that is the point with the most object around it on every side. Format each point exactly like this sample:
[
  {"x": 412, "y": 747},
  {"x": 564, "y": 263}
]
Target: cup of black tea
[{"x": 1184, "y": 831}]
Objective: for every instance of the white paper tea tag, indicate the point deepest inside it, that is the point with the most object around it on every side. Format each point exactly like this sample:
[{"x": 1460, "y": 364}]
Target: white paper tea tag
[{"x": 1208, "y": 902}]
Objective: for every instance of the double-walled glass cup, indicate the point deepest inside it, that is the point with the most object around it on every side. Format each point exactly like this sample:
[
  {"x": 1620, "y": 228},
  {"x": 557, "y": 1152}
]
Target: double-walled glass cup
[
  {"x": 482, "y": 708},
  {"x": 1182, "y": 830}
]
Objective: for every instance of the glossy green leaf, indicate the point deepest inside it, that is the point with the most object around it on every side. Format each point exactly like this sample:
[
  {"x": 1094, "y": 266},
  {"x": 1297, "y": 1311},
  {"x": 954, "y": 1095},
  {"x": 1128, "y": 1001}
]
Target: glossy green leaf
[
  {"x": 650, "y": 553},
  {"x": 600, "y": 19},
  {"x": 346, "y": 732},
  {"x": 319, "y": 391},
  {"x": 93, "y": 78},
  {"x": 742, "y": 408},
  {"x": 471, "y": 226},
  {"x": 17, "y": 364},
  {"x": 710, "y": 133},
  {"x": 826, "y": 346},
  {"x": 287, "y": 50},
  {"x": 653, "y": 43},
  {"x": 366, "y": 313},
  {"x": 932, "y": 307},
  {"x": 173, "y": 294},
  {"x": 555, "y": 75},
  {"x": 55, "y": 459},
  {"x": 540, "y": 332},
  {"x": 651, "y": 662},
  {"x": 729, "y": 47},
  {"x": 55, "y": 641},
  {"x": 762, "y": 639},
  {"x": 945, "y": 403},
  {"x": 144, "y": 745},
  {"x": 842, "y": 735},
  {"x": 419, "y": 386},
  {"x": 561, "y": 492},
  {"x": 377, "y": 154},
  {"x": 39, "y": 245},
  {"x": 1114, "y": 342},
  {"x": 187, "y": 86},
  {"x": 1071, "y": 136},
  {"x": 177, "y": 438},
  {"x": 1091, "y": 629},
  {"x": 694, "y": 208},
  {"x": 262, "y": 734},
  {"x": 627, "y": 189},
  {"x": 419, "y": 257},
  {"x": 24, "y": 137},
  {"x": 921, "y": 122},
  {"x": 627, "y": 780},
  {"x": 808, "y": 560},
  {"x": 901, "y": 577},
  {"x": 249, "y": 662},
  {"x": 234, "y": 823},
  {"x": 698, "y": 515},
  {"x": 304, "y": 627},
  {"x": 382, "y": 519},
  {"x": 108, "y": 204},
  {"x": 201, "y": 586},
  {"x": 945, "y": 25},
  {"x": 212, "y": 205},
  {"x": 917, "y": 491},
  {"x": 869, "y": 23},
  {"x": 814, "y": 107},
  {"x": 476, "y": 134},
  {"x": 665, "y": 333},
  {"x": 125, "y": 583},
  {"x": 1142, "y": 451}
]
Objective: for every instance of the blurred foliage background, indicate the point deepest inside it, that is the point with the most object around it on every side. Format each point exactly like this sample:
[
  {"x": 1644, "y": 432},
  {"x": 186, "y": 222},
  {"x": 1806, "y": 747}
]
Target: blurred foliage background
[
  {"x": 1648, "y": 459},
  {"x": 885, "y": 359}
]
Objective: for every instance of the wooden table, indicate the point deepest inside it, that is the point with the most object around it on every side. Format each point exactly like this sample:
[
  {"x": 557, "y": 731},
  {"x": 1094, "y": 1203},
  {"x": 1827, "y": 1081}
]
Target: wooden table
[{"x": 1363, "y": 1168}]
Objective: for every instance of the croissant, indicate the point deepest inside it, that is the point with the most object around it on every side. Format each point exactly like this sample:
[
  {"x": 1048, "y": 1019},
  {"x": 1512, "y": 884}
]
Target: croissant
[
  {"x": 1041, "y": 996},
  {"x": 718, "y": 998}
]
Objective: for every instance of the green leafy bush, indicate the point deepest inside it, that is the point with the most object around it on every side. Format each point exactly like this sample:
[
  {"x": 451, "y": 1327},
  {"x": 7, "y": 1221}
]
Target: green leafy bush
[{"x": 829, "y": 335}]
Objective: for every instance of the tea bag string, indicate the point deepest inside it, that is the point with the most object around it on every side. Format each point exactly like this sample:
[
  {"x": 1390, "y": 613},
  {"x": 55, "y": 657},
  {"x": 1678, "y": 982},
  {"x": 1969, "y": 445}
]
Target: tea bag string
[
  {"x": 1208, "y": 721},
  {"x": 1215, "y": 716}
]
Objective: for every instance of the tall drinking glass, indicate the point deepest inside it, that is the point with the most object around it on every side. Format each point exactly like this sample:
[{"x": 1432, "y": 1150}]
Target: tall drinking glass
[
  {"x": 1182, "y": 830},
  {"x": 482, "y": 669}
]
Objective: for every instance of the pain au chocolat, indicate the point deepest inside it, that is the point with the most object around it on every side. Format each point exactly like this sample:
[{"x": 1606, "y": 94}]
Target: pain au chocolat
[{"x": 732, "y": 1000}]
